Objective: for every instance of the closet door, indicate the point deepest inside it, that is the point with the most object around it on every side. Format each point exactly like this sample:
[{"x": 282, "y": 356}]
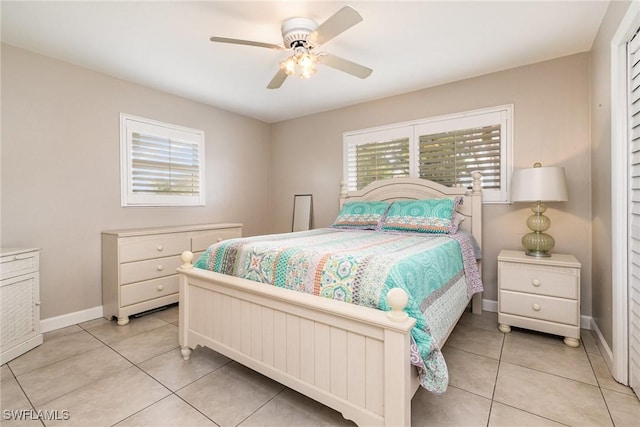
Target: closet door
[{"x": 633, "y": 49}]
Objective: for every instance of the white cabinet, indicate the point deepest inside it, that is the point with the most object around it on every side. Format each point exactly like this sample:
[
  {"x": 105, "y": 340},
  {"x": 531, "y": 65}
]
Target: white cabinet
[
  {"x": 541, "y": 294},
  {"x": 19, "y": 302},
  {"x": 139, "y": 265}
]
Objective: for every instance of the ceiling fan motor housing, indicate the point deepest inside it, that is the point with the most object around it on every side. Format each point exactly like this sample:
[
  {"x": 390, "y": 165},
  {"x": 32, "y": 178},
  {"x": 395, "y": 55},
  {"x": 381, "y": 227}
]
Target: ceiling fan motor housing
[{"x": 295, "y": 31}]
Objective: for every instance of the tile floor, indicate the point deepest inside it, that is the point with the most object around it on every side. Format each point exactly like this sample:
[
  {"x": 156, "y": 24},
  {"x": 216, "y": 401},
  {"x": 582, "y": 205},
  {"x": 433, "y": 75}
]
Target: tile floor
[{"x": 100, "y": 374}]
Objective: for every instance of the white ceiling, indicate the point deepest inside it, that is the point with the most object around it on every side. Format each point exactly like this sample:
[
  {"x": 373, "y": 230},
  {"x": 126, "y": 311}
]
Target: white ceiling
[{"x": 410, "y": 45}]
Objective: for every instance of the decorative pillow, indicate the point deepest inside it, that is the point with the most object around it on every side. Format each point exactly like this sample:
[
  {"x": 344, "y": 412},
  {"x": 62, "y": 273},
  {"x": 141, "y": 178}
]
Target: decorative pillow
[
  {"x": 361, "y": 215},
  {"x": 423, "y": 216}
]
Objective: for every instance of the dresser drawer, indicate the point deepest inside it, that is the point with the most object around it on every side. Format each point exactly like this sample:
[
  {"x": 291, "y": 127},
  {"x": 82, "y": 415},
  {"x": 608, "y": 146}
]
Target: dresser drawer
[
  {"x": 18, "y": 264},
  {"x": 161, "y": 245},
  {"x": 539, "y": 307},
  {"x": 203, "y": 240},
  {"x": 149, "y": 269},
  {"x": 148, "y": 290},
  {"x": 542, "y": 280}
]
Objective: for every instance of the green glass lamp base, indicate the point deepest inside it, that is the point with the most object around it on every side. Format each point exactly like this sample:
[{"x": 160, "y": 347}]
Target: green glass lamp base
[{"x": 538, "y": 244}]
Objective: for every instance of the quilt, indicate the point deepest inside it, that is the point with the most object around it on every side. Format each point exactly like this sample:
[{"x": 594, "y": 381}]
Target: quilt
[{"x": 360, "y": 267}]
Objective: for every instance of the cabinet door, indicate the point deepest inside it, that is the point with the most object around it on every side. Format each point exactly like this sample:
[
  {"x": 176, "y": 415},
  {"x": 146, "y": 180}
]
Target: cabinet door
[{"x": 20, "y": 309}]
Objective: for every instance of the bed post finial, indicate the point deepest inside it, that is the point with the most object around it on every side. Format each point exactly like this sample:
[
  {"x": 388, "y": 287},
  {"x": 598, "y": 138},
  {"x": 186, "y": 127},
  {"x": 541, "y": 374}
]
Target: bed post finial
[
  {"x": 186, "y": 258},
  {"x": 397, "y": 298},
  {"x": 477, "y": 181}
]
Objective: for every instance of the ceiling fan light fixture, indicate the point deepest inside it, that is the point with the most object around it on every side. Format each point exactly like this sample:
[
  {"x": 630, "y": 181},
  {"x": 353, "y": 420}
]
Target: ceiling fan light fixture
[{"x": 302, "y": 63}]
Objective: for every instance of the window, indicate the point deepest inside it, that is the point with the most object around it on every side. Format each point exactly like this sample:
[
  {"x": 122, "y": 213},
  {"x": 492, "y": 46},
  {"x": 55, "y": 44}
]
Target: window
[
  {"x": 161, "y": 164},
  {"x": 444, "y": 149}
]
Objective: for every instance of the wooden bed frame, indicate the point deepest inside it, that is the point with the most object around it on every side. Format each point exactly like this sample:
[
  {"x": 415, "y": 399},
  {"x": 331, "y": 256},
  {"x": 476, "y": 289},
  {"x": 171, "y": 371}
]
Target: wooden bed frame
[{"x": 353, "y": 359}]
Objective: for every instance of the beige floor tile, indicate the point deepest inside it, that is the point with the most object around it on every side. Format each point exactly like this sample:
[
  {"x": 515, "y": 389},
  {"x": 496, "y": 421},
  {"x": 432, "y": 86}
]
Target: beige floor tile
[
  {"x": 12, "y": 396},
  {"x": 54, "y": 350},
  {"x": 605, "y": 380},
  {"x": 5, "y": 372},
  {"x": 549, "y": 354},
  {"x": 89, "y": 324},
  {"x": 170, "y": 412},
  {"x": 149, "y": 344},
  {"x": 455, "y": 407},
  {"x": 470, "y": 372},
  {"x": 111, "y": 332},
  {"x": 110, "y": 400},
  {"x": 550, "y": 396},
  {"x": 290, "y": 408},
  {"x": 169, "y": 315},
  {"x": 174, "y": 372},
  {"x": 230, "y": 394},
  {"x": 61, "y": 332},
  {"x": 624, "y": 408},
  {"x": 475, "y": 340},
  {"x": 589, "y": 341},
  {"x": 487, "y": 320},
  {"x": 54, "y": 380},
  {"x": 506, "y": 416}
]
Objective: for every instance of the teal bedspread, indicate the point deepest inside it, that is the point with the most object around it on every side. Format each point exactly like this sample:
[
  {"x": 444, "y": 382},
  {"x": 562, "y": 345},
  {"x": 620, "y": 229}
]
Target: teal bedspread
[{"x": 357, "y": 267}]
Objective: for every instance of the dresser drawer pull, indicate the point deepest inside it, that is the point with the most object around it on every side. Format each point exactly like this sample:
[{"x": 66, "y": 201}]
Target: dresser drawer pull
[
  {"x": 536, "y": 307},
  {"x": 160, "y": 288},
  {"x": 536, "y": 282},
  {"x": 219, "y": 239},
  {"x": 160, "y": 248},
  {"x": 160, "y": 268},
  {"x": 21, "y": 257}
]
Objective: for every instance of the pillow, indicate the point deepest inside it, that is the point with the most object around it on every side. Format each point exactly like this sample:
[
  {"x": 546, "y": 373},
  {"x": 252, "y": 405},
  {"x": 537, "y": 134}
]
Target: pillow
[
  {"x": 423, "y": 216},
  {"x": 361, "y": 215}
]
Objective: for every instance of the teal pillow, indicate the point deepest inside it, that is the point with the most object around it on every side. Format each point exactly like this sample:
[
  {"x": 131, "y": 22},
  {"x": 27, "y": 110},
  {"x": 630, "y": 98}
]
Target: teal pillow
[
  {"x": 422, "y": 216},
  {"x": 361, "y": 215}
]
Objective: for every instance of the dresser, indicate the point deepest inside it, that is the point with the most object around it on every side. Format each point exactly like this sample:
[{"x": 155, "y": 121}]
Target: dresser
[
  {"x": 139, "y": 265},
  {"x": 19, "y": 302},
  {"x": 541, "y": 294}
]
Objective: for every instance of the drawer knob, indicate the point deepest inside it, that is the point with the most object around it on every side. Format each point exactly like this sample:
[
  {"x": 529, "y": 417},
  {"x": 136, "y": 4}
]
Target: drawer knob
[
  {"x": 160, "y": 268},
  {"x": 38, "y": 303},
  {"x": 536, "y": 307},
  {"x": 160, "y": 288},
  {"x": 160, "y": 248},
  {"x": 536, "y": 282},
  {"x": 219, "y": 239}
]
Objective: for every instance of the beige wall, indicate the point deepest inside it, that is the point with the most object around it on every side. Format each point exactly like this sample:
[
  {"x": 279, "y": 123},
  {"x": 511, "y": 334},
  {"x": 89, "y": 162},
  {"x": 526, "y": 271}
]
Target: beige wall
[
  {"x": 601, "y": 169},
  {"x": 551, "y": 109},
  {"x": 61, "y": 161}
]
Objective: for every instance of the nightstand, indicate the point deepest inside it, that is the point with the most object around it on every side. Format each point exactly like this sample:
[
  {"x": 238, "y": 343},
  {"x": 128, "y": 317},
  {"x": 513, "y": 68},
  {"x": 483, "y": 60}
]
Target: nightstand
[{"x": 541, "y": 294}]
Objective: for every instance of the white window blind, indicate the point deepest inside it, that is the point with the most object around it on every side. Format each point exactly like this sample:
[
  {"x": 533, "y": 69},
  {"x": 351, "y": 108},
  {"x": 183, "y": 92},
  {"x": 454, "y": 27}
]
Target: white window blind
[
  {"x": 444, "y": 149},
  {"x": 162, "y": 164},
  {"x": 449, "y": 157}
]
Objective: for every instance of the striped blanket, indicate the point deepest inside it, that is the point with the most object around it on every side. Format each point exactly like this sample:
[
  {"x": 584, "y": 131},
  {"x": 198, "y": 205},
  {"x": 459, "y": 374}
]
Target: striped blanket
[{"x": 359, "y": 267}]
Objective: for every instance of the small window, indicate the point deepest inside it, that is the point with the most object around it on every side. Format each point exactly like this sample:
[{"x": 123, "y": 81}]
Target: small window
[
  {"x": 161, "y": 164},
  {"x": 443, "y": 149}
]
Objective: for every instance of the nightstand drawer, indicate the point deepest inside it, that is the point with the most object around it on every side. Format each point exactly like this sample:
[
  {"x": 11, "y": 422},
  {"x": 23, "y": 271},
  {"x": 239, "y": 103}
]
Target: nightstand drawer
[
  {"x": 539, "y": 307},
  {"x": 542, "y": 280},
  {"x": 18, "y": 264}
]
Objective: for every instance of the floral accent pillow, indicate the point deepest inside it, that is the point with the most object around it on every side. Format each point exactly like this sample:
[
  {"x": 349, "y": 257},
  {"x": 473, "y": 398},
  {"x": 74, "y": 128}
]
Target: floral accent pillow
[
  {"x": 423, "y": 216},
  {"x": 361, "y": 215}
]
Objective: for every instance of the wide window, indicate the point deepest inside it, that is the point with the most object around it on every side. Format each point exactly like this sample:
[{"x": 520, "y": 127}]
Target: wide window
[
  {"x": 161, "y": 164},
  {"x": 444, "y": 149}
]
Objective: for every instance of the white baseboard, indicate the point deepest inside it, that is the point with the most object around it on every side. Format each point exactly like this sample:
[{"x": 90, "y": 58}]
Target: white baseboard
[
  {"x": 606, "y": 352},
  {"x": 585, "y": 322},
  {"x": 53, "y": 323}
]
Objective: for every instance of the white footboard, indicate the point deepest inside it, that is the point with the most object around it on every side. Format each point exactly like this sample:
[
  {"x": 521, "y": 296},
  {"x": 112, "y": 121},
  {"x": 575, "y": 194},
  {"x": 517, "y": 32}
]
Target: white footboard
[{"x": 350, "y": 358}]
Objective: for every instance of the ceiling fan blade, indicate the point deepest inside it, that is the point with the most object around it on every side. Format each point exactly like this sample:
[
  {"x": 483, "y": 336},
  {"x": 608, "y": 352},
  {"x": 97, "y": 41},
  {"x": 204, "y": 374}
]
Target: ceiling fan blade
[
  {"x": 345, "y": 65},
  {"x": 341, "y": 21},
  {"x": 245, "y": 42},
  {"x": 277, "y": 80}
]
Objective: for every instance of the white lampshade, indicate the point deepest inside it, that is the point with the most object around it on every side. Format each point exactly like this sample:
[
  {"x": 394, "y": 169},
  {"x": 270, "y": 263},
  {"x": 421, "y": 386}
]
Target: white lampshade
[{"x": 547, "y": 184}]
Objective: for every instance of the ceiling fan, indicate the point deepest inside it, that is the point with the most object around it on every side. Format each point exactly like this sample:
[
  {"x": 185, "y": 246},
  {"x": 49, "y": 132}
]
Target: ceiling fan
[{"x": 303, "y": 36}]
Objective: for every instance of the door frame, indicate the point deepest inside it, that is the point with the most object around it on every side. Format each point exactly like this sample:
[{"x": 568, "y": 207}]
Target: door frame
[{"x": 619, "y": 193}]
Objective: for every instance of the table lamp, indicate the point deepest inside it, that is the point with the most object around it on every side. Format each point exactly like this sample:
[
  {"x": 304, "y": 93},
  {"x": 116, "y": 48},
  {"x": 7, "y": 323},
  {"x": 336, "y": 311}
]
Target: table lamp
[{"x": 539, "y": 184}]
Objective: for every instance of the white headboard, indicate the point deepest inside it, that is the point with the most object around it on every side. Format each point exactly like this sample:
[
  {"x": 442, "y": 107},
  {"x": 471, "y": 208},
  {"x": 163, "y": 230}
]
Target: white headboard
[{"x": 416, "y": 188}]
